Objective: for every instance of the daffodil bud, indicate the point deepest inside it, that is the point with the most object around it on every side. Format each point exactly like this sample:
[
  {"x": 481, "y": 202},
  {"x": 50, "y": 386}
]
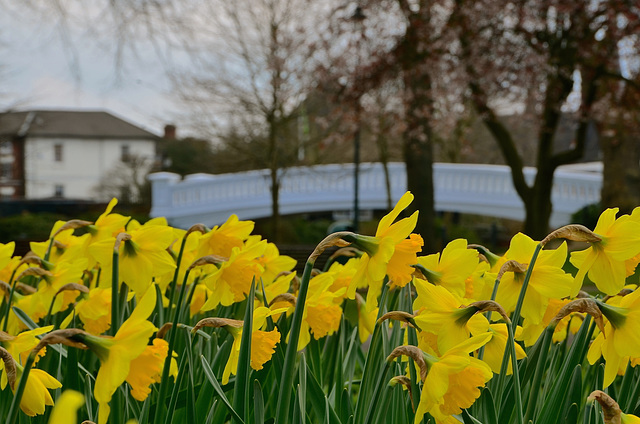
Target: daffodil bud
[
  {"x": 573, "y": 232},
  {"x": 584, "y": 305},
  {"x": 414, "y": 353},
  {"x": 610, "y": 408},
  {"x": 72, "y": 225},
  {"x": 401, "y": 316}
]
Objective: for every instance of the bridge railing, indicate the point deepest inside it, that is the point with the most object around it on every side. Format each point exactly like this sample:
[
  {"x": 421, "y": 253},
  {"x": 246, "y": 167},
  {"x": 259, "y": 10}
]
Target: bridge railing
[{"x": 467, "y": 188}]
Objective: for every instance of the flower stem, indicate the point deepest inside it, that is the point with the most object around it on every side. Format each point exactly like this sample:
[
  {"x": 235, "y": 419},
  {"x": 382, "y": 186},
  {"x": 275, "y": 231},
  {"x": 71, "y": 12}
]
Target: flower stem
[
  {"x": 164, "y": 382},
  {"x": 288, "y": 371},
  {"x": 537, "y": 377},
  {"x": 523, "y": 291},
  {"x": 12, "y": 283},
  {"x": 115, "y": 299}
]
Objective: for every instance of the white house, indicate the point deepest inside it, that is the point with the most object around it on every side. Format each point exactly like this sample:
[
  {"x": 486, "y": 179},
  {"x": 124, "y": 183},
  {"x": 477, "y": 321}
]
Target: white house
[{"x": 69, "y": 154}]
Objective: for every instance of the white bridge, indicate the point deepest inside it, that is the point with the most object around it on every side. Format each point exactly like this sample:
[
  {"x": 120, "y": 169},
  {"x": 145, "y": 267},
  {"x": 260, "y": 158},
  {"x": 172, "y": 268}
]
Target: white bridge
[{"x": 466, "y": 188}]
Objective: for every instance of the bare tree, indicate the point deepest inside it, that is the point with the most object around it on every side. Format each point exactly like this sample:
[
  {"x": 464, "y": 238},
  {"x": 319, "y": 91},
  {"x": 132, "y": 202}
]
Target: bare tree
[
  {"x": 127, "y": 181},
  {"x": 245, "y": 81},
  {"x": 548, "y": 58}
]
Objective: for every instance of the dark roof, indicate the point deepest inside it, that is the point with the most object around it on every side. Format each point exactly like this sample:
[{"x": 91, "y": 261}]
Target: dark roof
[{"x": 68, "y": 123}]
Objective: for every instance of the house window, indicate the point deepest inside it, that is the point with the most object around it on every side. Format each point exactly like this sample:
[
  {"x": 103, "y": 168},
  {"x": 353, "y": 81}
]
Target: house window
[
  {"x": 57, "y": 152},
  {"x": 6, "y": 170},
  {"x": 125, "y": 153},
  {"x": 6, "y": 148},
  {"x": 58, "y": 190}
]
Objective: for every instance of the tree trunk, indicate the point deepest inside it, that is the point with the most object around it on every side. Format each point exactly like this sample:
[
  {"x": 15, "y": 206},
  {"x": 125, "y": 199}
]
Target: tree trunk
[
  {"x": 538, "y": 206},
  {"x": 621, "y": 172},
  {"x": 275, "y": 206},
  {"x": 418, "y": 153}
]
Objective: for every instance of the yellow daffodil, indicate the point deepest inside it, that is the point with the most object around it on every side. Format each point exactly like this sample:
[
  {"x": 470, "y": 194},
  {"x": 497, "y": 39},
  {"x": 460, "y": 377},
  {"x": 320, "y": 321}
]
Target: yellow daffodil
[
  {"x": 19, "y": 346},
  {"x": 547, "y": 281},
  {"x": 494, "y": 350},
  {"x": 479, "y": 285},
  {"x": 621, "y": 338},
  {"x": 629, "y": 419},
  {"x": 146, "y": 369},
  {"x": 66, "y": 246},
  {"x": 453, "y": 380},
  {"x": 604, "y": 261},
  {"x": 141, "y": 257},
  {"x": 36, "y": 394},
  {"x": 366, "y": 319},
  {"x": 66, "y": 408},
  {"x": 405, "y": 256},
  {"x": 117, "y": 353},
  {"x": 532, "y": 331},
  {"x": 6, "y": 253},
  {"x": 322, "y": 315},
  {"x": 440, "y": 312},
  {"x": 222, "y": 239},
  {"x": 272, "y": 261},
  {"x": 374, "y": 263},
  {"x": 63, "y": 272},
  {"x": 231, "y": 282},
  {"x": 95, "y": 311},
  {"x": 108, "y": 225},
  {"x": 263, "y": 343},
  {"x": 451, "y": 268}
]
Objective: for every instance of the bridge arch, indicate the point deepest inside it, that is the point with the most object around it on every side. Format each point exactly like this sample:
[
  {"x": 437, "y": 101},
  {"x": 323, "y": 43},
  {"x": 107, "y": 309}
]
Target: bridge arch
[{"x": 466, "y": 188}]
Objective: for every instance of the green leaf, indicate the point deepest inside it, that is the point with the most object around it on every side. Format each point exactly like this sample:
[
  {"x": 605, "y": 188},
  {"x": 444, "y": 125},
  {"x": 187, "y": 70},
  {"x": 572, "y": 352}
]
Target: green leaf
[
  {"x": 319, "y": 401},
  {"x": 302, "y": 384},
  {"x": 258, "y": 403},
  {"x": 286, "y": 384},
  {"x": 88, "y": 398},
  {"x": 572, "y": 414},
  {"x": 210, "y": 415},
  {"x": 574, "y": 395},
  {"x": 216, "y": 386},
  {"x": 489, "y": 415},
  {"x": 468, "y": 419},
  {"x": 168, "y": 418},
  {"x": 241, "y": 388},
  {"x": 556, "y": 397},
  {"x": 625, "y": 388}
]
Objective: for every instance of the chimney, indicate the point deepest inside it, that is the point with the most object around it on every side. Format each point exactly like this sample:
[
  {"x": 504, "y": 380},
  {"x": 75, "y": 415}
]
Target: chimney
[{"x": 170, "y": 132}]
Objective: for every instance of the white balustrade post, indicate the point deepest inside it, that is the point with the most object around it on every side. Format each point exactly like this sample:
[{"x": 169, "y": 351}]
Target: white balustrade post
[{"x": 161, "y": 193}]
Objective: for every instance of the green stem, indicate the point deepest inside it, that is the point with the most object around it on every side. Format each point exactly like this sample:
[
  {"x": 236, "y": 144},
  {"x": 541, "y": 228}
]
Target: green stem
[
  {"x": 12, "y": 283},
  {"x": 47, "y": 318},
  {"x": 412, "y": 338},
  {"x": 48, "y": 252},
  {"x": 523, "y": 291},
  {"x": 372, "y": 355},
  {"x": 115, "y": 299},
  {"x": 494, "y": 293},
  {"x": 286, "y": 385},
  {"x": 174, "y": 282},
  {"x": 164, "y": 382},
  {"x": 516, "y": 374},
  {"x": 376, "y": 394},
  {"x": 537, "y": 377}
]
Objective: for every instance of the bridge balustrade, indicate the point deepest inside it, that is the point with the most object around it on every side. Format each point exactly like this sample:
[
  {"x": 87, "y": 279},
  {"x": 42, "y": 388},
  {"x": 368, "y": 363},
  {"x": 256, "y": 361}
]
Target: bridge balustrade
[{"x": 466, "y": 188}]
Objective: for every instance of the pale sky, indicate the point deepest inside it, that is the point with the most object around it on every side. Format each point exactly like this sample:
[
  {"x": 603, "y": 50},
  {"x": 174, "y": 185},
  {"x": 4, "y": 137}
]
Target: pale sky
[{"x": 38, "y": 71}]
